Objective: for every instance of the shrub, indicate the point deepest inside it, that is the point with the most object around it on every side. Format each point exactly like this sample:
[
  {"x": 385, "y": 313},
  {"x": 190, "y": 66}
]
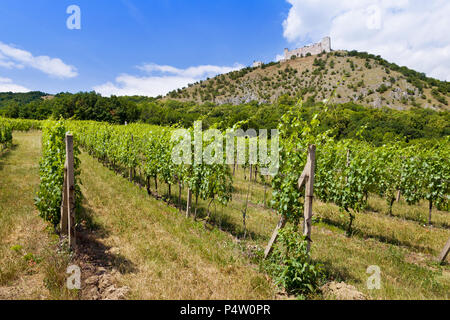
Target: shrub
[
  {"x": 291, "y": 266},
  {"x": 382, "y": 88}
]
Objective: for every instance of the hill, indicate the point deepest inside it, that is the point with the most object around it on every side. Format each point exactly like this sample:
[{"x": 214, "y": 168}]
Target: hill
[
  {"x": 21, "y": 98},
  {"x": 357, "y": 77}
]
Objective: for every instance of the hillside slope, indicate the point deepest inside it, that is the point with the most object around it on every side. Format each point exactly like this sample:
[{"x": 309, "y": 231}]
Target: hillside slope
[{"x": 357, "y": 77}]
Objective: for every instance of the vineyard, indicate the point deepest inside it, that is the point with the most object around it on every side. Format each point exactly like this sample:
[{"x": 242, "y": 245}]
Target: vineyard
[
  {"x": 5, "y": 135},
  {"x": 352, "y": 176},
  {"x": 346, "y": 171}
]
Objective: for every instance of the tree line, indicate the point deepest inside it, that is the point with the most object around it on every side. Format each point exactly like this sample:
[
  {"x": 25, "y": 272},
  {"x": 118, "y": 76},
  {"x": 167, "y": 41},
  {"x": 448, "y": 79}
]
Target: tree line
[{"x": 380, "y": 126}]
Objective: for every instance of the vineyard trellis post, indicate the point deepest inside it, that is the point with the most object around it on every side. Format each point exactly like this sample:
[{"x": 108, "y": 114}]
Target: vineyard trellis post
[
  {"x": 64, "y": 218},
  {"x": 68, "y": 196},
  {"x": 444, "y": 252},
  {"x": 189, "y": 201},
  {"x": 306, "y": 179}
]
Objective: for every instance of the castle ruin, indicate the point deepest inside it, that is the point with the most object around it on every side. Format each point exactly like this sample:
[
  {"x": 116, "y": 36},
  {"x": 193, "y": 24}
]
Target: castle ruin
[
  {"x": 314, "y": 49},
  {"x": 257, "y": 64}
]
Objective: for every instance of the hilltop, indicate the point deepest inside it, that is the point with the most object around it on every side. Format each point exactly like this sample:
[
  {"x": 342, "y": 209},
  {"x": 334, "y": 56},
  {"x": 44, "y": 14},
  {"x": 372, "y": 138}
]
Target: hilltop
[{"x": 356, "y": 77}]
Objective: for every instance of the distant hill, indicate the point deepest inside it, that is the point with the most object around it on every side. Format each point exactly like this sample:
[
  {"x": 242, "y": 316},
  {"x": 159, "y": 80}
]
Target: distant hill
[
  {"x": 21, "y": 98},
  {"x": 357, "y": 77}
]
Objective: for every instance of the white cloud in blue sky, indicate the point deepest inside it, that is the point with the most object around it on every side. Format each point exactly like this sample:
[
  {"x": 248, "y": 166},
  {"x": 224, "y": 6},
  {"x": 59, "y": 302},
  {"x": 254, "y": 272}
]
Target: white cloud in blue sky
[
  {"x": 7, "y": 85},
  {"x": 207, "y": 36},
  {"x": 408, "y": 32},
  {"x": 14, "y": 58},
  {"x": 160, "y": 79}
]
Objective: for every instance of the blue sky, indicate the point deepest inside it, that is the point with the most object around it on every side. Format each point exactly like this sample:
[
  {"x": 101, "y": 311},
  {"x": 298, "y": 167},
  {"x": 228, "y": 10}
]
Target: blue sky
[{"x": 152, "y": 46}]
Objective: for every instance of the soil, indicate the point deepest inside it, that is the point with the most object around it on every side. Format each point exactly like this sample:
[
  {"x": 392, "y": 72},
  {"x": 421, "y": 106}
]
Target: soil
[
  {"x": 341, "y": 291},
  {"x": 100, "y": 267}
]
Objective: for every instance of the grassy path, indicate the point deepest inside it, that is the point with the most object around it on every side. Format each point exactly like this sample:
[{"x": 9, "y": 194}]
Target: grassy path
[
  {"x": 23, "y": 235},
  {"x": 159, "y": 253}
]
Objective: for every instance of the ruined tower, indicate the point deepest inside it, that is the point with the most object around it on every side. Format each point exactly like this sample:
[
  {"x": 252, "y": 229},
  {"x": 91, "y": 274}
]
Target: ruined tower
[{"x": 323, "y": 46}]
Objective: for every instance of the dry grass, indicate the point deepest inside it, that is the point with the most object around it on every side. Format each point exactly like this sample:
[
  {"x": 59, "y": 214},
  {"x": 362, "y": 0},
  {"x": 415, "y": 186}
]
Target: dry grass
[
  {"x": 163, "y": 255},
  {"x": 347, "y": 91},
  {"x": 27, "y": 247}
]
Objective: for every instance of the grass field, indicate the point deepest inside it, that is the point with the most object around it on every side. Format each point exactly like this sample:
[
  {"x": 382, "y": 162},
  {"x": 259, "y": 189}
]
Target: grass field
[
  {"x": 159, "y": 254},
  {"x": 30, "y": 268}
]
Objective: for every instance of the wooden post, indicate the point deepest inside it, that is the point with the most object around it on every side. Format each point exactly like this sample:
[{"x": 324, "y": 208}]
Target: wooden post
[
  {"x": 189, "y": 201},
  {"x": 274, "y": 237},
  {"x": 131, "y": 169},
  {"x": 64, "y": 217},
  {"x": 179, "y": 196},
  {"x": 444, "y": 252},
  {"x": 430, "y": 210},
  {"x": 70, "y": 191},
  {"x": 307, "y": 179},
  {"x": 309, "y": 194},
  {"x": 398, "y": 196}
]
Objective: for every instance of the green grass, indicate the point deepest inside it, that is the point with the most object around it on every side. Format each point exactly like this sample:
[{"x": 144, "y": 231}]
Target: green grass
[
  {"x": 167, "y": 256},
  {"x": 27, "y": 245}
]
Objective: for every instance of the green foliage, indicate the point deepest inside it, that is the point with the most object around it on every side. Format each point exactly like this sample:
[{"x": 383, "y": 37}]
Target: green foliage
[
  {"x": 348, "y": 170},
  {"x": 5, "y": 134},
  {"x": 82, "y": 106},
  {"x": 414, "y": 77},
  {"x": 435, "y": 174},
  {"x": 150, "y": 149},
  {"x": 22, "y": 124},
  {"x": 51, "y": 171},
  {"x": 291, "y": 266},
  {"x": 382, "y": 125},
  {"x": 438, "y": 97},
  {"x": 382, "y": 88}
]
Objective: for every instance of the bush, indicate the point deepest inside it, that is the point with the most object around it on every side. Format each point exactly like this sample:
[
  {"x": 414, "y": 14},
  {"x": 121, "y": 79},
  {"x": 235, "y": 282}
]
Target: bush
[
  {"x": 291, "y": 266},
  {"x": 382, "y": 88},
  {"x": 5, "y": 134},
  {"x": 51, "y": 171}
]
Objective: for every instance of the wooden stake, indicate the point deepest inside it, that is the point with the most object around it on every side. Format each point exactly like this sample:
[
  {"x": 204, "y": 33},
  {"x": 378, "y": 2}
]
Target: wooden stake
[
  {"x": 430, "y": 210},
  {"x": 189, "y": 200},
  {"x": 307, "y": 177},
  {"x": 274, "y": 237},
  {"x": 179, "y": 196},
  {"x": 444, "y": 252},
  {"x": 64, "y": 218},
  {"x": 70, "y": 191},
  {"x": 309, "y": 194}
]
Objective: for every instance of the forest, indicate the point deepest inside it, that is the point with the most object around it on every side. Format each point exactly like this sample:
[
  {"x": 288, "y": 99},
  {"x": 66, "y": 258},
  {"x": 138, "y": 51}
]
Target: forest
[{"x": 379, "y": 125}]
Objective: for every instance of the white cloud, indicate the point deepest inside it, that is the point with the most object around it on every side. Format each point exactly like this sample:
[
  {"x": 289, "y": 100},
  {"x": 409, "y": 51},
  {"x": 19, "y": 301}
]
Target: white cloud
[
  {"x": 191, "y": 72},
  {"x": 408, "y": 32},
  {"x": 160, "y": 80},
  {"x": 11, "y": 57},
  {"x": 7, "y": 85}
]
